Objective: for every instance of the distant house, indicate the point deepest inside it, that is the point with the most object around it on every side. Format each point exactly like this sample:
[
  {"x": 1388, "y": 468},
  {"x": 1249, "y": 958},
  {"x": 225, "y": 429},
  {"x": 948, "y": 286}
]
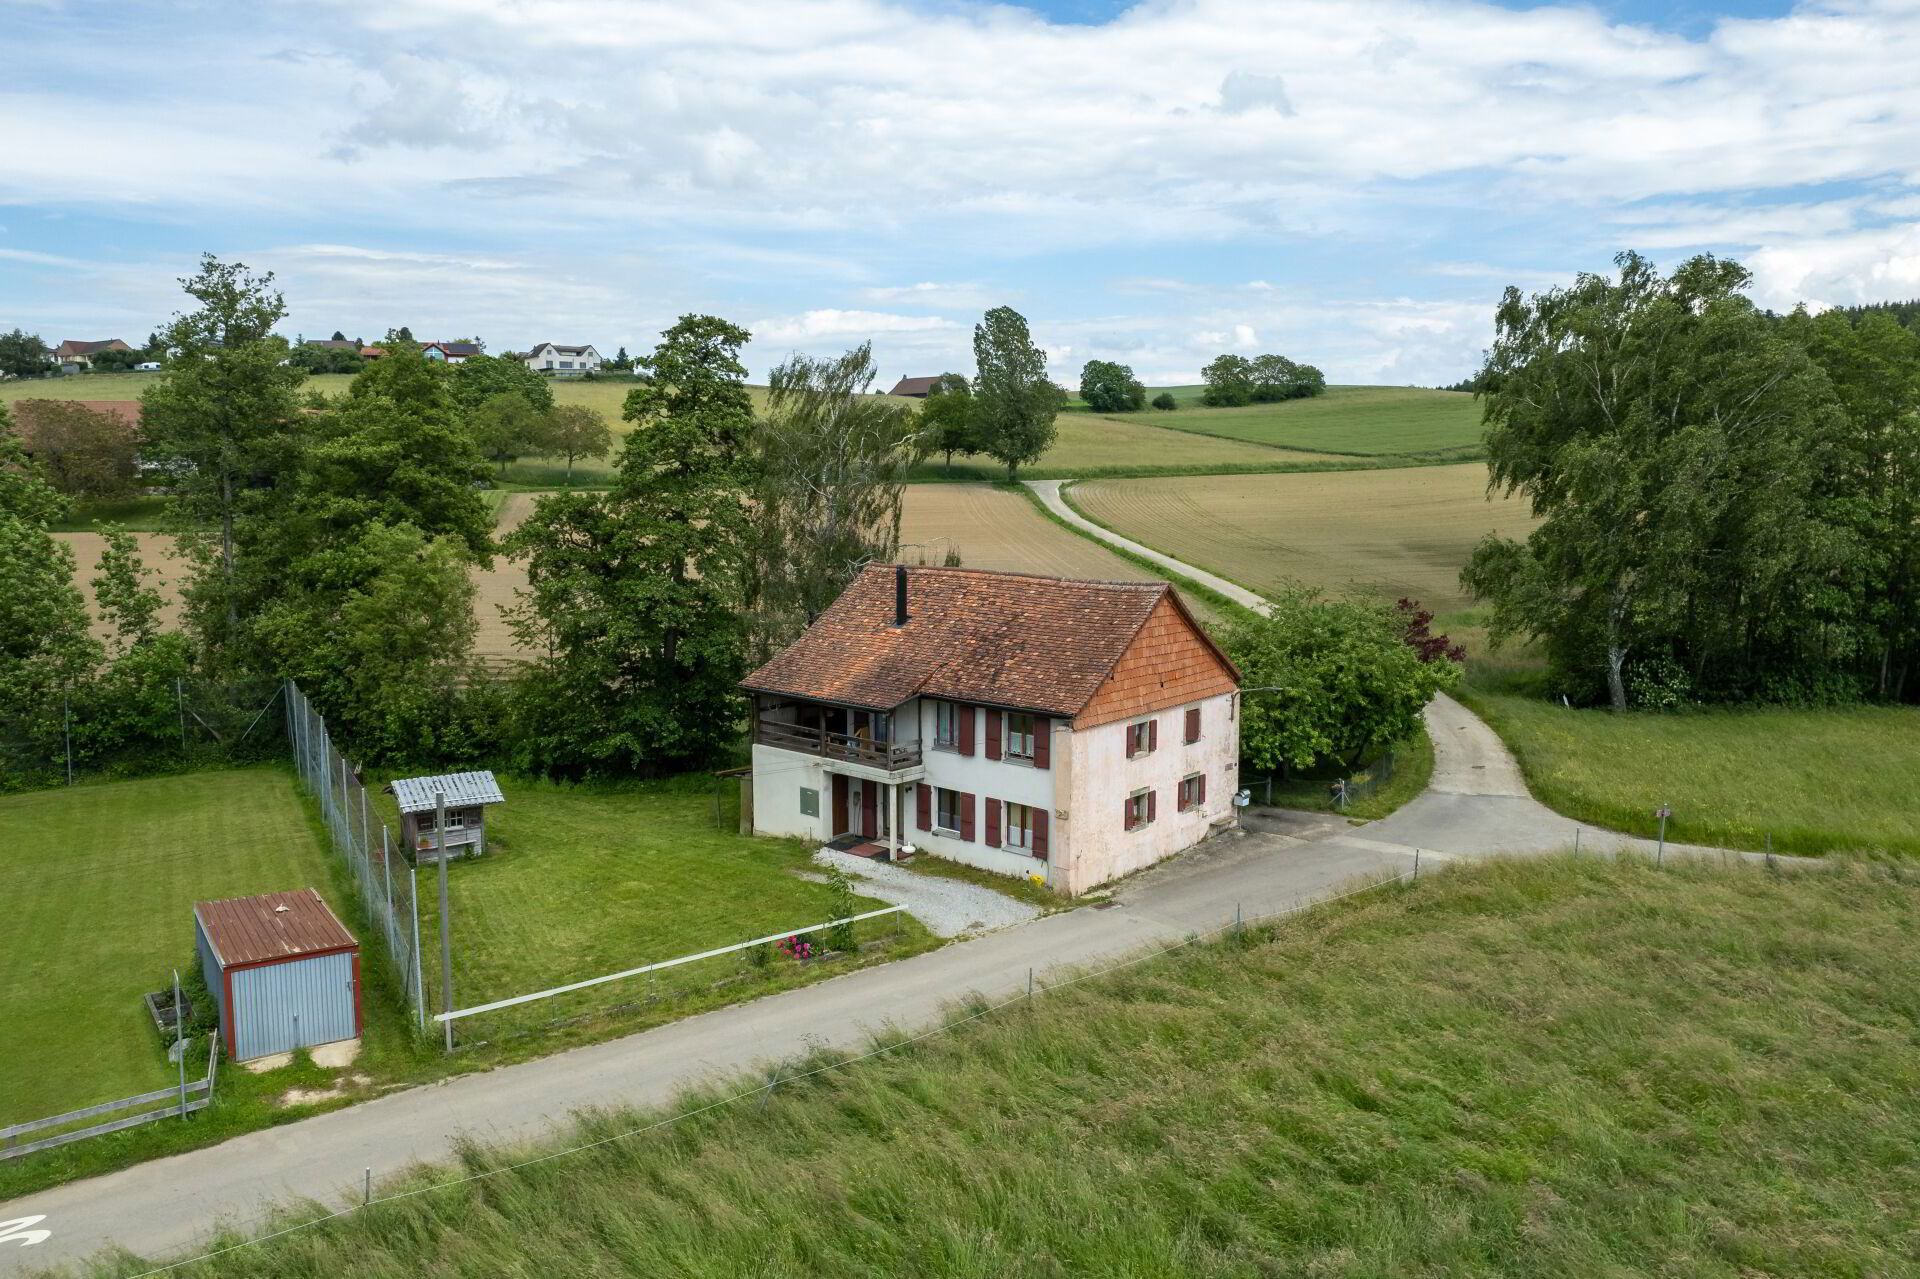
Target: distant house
[
  {"x": 1020, "y": 724},
  {"x": 451, "y": 352},
  {"x": 917, "y": 387},
  {"x": 563, "y": 361},
  {"x": 372, "y": 352},
  {"x": 72, "y": 356}
]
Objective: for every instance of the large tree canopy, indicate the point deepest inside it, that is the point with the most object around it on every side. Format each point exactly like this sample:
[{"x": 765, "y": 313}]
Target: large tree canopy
[
  {"x": 1685, "y": 455},
  {"x": 1111, "y": 388},
  {"x": 1015, "y": 402}
]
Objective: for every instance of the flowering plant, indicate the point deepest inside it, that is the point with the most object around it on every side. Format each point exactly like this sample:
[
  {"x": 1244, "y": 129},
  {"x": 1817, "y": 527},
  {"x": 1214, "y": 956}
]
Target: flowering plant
[{"x": 797, "y": 947}]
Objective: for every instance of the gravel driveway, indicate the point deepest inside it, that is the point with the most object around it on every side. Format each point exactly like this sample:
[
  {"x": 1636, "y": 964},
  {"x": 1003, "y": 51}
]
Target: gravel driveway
[{"x": 948, "y": 907}]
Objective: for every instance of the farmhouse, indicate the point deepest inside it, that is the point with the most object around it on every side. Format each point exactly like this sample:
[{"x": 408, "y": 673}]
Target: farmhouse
[
  {"x": 551, "y": 357},
  {"x": 283, "y": 970},
  {"x": 72, "y": 356},
  {"x": 466, "y": 796},
  {"x": 1022, "y": 724},
  {"x": 917, "y": 387},
  {"x": 451, "y": 352}
]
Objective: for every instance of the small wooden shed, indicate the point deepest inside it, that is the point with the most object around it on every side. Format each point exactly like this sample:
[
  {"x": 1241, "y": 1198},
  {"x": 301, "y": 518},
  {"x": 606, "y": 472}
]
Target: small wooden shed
[
  {"x": 467, "y": 796},
  {"x": 283, "y": 969}
]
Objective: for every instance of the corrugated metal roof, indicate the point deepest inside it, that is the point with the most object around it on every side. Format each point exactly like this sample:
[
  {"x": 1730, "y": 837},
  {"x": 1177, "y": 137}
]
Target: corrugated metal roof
[
  {"x": 249, "y": 930},
  {"x": 463, "y": 790}
]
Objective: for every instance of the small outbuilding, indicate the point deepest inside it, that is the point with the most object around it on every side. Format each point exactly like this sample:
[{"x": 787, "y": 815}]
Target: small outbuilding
[
  {"x": 283, "y": 969},
  {"x": 466, "y": 796}
]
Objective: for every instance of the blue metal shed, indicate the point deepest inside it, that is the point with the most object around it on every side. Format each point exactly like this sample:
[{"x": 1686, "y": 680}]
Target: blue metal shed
[{"x": 283, "y": 970}]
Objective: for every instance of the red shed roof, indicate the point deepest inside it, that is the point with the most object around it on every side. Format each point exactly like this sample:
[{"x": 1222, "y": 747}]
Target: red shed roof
[{"x": 258, "y": 930}]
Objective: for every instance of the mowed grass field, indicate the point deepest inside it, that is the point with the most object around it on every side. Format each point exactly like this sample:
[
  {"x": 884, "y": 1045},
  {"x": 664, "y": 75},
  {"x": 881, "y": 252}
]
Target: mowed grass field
[
  {"x": 1551, "y": 1069},
  {"x": 99, "y": 883},
  {"x": 1396, "y": 532},
  {"x": 1359, "y": 420},
  {"x": 580, "y": 881}
]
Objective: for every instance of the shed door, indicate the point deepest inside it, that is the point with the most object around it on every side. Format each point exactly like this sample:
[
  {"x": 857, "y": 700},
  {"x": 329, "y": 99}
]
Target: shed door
[{"x": 298, "y": 1004}]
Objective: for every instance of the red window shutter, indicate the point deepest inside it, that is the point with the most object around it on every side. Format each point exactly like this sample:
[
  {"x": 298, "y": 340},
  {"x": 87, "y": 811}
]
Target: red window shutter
[
  {"x": 923, "y": 806},
  {"x": 1193, "y": 724},
  {"x": 1040, "y": 833},
  {"x": 966, "y": 730},
  {"x": 1201, "y": 799},
  {"x": 993, "y": 733},
  {"x": 993, "y": 823},
  {"x": 1042, "y": 740},
  {"x": 1126, "y": 813},
  {"x": 1149, "y": 805},
  {"x": 1153, "y": 736}
]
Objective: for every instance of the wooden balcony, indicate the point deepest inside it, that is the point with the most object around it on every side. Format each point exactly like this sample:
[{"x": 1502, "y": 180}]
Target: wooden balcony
[{"x": 888, "y": 756}]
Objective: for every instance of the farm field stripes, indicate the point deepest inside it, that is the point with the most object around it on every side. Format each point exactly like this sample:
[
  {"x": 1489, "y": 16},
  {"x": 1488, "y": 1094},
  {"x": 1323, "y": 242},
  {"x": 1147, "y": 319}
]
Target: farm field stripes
[
  {"x": 100, "y": 882},
  {"x": 1356, "y": 420},
  {"x": 1390, "y": 532}
]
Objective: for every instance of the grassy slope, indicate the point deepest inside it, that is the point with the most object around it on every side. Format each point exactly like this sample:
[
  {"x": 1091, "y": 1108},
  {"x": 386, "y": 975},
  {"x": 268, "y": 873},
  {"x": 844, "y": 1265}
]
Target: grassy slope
[
  {"x": 100, "y": 882},
  {"x": 582, "y": 881},
  {"x": 1365, "y": 420},
  {"x": 1543, "y": 1069}
]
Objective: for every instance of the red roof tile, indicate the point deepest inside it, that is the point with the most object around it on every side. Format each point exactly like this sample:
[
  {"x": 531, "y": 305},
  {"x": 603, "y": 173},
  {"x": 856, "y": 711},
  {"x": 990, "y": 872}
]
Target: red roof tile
[{"x": 1004, "y": 639}]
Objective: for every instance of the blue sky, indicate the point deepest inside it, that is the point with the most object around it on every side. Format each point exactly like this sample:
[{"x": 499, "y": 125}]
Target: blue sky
[{"x": 1350, "y": 184}]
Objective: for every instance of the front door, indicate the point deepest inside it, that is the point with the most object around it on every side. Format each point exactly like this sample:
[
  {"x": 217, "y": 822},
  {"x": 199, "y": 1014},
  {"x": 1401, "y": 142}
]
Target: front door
[
  {"x": 869, "y": 808},
  {"x": 840, "y": 826}
]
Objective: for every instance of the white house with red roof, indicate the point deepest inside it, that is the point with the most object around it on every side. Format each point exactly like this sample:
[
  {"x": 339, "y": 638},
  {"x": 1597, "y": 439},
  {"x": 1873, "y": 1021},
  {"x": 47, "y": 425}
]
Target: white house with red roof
[{"x": 1026, "y": 725}]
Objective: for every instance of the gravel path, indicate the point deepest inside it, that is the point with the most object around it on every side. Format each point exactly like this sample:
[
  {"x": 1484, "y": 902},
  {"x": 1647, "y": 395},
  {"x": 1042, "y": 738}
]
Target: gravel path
[{"x": 948, "y": 907}]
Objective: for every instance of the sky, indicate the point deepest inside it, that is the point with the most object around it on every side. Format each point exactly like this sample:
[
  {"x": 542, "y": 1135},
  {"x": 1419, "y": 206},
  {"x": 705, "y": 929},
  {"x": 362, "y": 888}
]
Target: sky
[{"x": 1350, "y": 184}]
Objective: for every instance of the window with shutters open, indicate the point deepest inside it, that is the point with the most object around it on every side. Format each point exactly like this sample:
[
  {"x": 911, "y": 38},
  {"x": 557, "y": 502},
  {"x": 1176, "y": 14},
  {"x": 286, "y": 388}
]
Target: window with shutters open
[
  {"x": 1019, "y": 736},
  {"x": 1193, "y": 791},
  {"x": 1019, "y": 833},
  {"x": 1140, "y": 739},
  {"x": 946, "y": 811},
  {"x": 1139, "y": 809},
  {"x": 946, "y": 726}
]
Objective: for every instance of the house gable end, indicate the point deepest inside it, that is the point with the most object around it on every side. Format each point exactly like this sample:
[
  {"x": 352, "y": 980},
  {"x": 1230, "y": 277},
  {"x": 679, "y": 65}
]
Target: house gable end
[{"x": 1170, "y": 662}]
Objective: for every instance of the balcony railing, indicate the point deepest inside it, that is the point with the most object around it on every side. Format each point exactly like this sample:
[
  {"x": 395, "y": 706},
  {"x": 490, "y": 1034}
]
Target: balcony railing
[{"x": 841, "y": 746}]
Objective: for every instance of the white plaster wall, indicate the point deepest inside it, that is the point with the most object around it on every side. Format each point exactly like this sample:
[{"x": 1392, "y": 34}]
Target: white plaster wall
[
  {"x": 1103, "y": 776},
  {"x": 778, "y": 776},
  {"x": 1002, "y": 779}
]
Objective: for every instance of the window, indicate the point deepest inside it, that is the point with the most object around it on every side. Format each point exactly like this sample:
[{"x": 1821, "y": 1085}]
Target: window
[
  {"x": 946, "y": 725},
  {"x": 1193, "y": 792},
  {"x": 1193, "y": 724},
  {"x": 1139, "y": 809},
  {"x": 809, "y": 802},
  {"x": 1020, "y": 736},
  {"x": 1141, "y": 739},
  {"x": 566, "y": 364},
  {"x": 456, "y": 819},
  {"x": 1019, "y": 826},
  {"x": 946, "y": 810}
]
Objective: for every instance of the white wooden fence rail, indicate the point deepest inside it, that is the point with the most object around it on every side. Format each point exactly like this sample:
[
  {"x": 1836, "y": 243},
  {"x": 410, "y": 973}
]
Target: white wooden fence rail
[{"x": 770, "y": 938}]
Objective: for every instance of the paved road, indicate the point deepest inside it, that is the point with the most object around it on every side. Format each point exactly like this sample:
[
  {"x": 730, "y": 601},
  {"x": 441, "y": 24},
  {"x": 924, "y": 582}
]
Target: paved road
[
  {"x": 1477, "y": 805},
  {"x": 1049, "y": 494}
]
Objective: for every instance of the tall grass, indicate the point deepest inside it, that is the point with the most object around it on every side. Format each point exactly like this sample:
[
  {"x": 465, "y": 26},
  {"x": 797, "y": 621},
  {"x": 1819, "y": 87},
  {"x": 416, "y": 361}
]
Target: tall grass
[{"x": 1543, "y": 1069}]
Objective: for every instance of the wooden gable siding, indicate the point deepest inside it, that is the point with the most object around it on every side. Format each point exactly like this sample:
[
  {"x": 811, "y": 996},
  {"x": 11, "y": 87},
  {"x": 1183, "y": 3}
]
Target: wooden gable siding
[{"x": 1168, "y": 664}]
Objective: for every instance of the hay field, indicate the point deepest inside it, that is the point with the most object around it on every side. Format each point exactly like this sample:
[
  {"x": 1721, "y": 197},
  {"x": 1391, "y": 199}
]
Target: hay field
[
  {"x": 167, "y": 571},
  {"x": 1397, "y": 532},
  {"x": 1370, "y": 421}
]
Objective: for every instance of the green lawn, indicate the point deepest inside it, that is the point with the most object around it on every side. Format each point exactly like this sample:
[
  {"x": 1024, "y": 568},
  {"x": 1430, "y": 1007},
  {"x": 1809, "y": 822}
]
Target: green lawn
[
  {"x": 580, "y": 881},
  {"x": 99, "y": 883},
  {"x": 1412, "y": 770},
  {"x": 1550, "y": 1069},
  {"x": 1360, "y": 420}
]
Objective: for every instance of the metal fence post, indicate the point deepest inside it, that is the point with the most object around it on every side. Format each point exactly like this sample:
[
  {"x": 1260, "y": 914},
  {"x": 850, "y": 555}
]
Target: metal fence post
[
  {"x": 180, "y": 697},
  {"x": 446, "y": 930},
  {"x": 180, "y": 1047},
  {"x": 419, "y": 992}
]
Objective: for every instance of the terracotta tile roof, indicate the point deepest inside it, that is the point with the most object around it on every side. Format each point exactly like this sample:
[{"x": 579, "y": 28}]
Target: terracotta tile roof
[
  {"x": 1018, "y": 640},
  {"x": 252, "y": 930},
  {"x": 913, "y": 386},
  {"x": 72, "y": 347}
]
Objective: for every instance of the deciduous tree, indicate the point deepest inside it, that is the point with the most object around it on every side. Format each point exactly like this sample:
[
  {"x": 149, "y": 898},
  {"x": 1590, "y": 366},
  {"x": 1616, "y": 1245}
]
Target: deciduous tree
[
  {"x": 573, "y": 431},
  {"x": 23, "y": 354},
  {"x": 1229, "y": 380},
  {"x": 1014, "y": 399},
  {"x": 126, "y": 602},
  {"x": 87, "y": 454},
  {"x": 949, "y": 418},
  {"x": 1111, "y": 388}
]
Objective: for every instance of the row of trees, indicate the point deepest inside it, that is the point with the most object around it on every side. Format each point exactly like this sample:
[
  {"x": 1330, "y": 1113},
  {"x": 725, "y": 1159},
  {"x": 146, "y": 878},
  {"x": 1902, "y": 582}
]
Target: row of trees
[
  {"x": 1265, "y": 379},
  {"x": 1730, "y": 500}
]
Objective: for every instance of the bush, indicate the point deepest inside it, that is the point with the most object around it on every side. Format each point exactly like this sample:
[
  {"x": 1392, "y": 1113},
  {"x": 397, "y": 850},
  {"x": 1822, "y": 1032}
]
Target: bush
[
  {"x": 1659, "y": 684},
  {"x": 1165, "y": 400}
]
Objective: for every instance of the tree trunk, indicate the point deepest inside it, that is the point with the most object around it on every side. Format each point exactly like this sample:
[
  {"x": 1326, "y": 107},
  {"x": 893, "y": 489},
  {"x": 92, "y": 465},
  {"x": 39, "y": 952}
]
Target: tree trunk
[
  {"x": 1616, "y": 687},
  {"x": 226, "y": 547}
]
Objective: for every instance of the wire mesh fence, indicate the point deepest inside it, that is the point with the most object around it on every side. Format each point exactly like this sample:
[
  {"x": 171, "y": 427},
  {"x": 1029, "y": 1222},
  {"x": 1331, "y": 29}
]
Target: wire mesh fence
[
  {"x": 136, "y": 728},
  {"x": 388, "y": 887},
  {"x": 1363, "y": 784}
]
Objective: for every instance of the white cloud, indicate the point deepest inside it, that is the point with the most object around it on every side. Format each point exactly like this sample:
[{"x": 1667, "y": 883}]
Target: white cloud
[{"x": 855, "y": 325}]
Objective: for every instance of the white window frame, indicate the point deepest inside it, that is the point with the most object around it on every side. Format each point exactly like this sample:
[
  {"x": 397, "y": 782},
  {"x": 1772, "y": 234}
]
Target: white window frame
[
  {"x": 1140, "y": 730},
  {"x": 1013, "y": 751},
  {"x": 1138, "y": 801},
  {"x": 941, "y": 809},
  {"x": 1017, "y": 834},
  {"x": 946, "y": 726},
  {"x": 1190, "y": 792},
  {"x": 456, "y": 819}
]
